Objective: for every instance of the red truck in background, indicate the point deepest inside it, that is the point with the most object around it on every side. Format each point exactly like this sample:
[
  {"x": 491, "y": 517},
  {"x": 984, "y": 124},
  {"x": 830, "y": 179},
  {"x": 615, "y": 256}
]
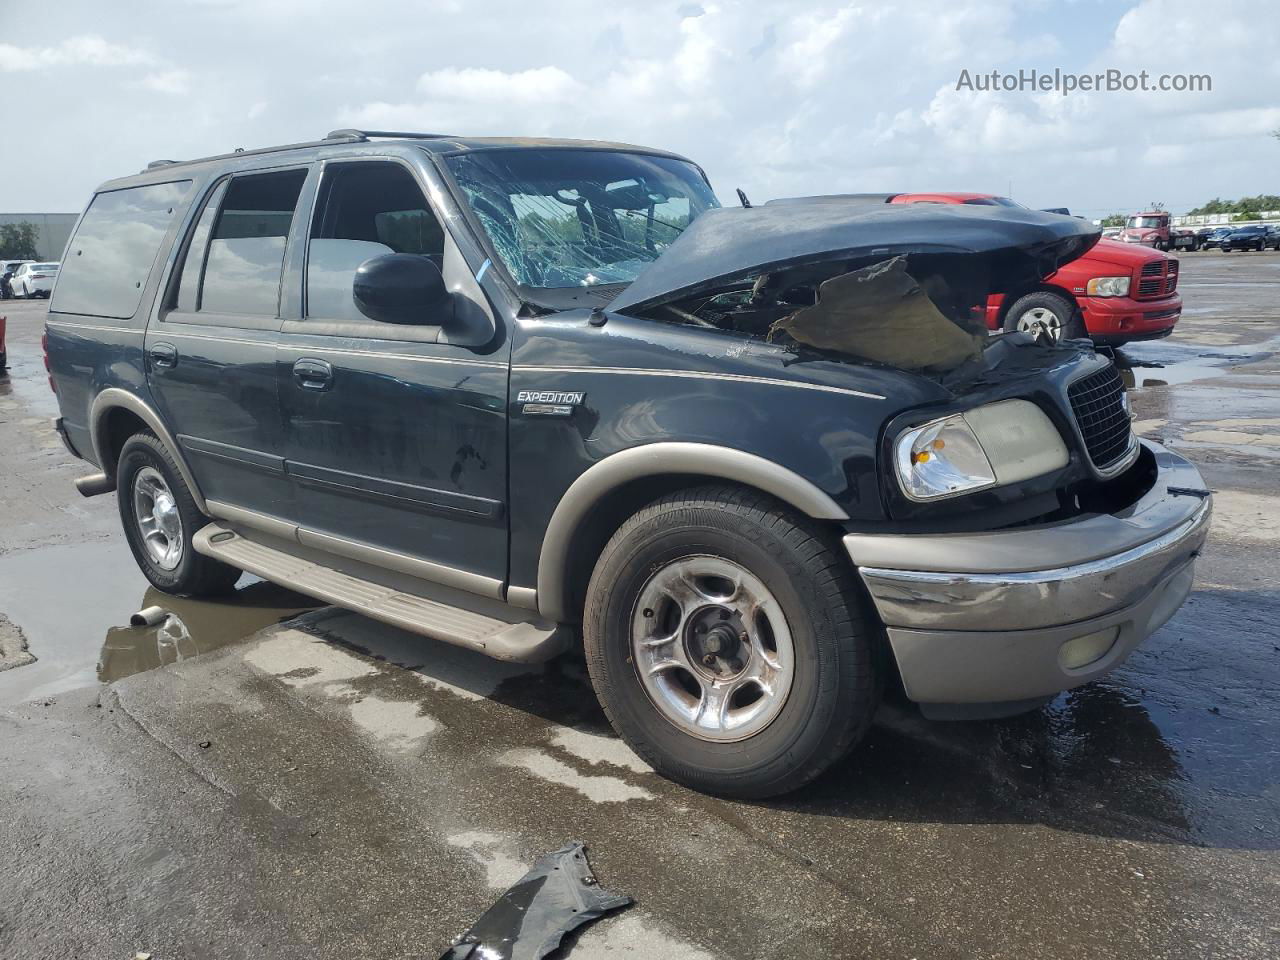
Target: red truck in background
[
  {"x": 1154, "y": 228},
  {"x": 1115, "y": 293}
]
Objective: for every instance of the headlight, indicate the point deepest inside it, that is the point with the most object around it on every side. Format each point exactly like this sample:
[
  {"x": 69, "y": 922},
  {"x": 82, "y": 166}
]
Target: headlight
[
  {"x": 1108, "y": 287},
  {"x": 988, "y": 446}
]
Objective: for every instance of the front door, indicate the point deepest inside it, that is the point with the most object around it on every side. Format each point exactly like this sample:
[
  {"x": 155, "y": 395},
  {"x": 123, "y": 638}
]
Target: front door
[{"x": 396, "y": 443}]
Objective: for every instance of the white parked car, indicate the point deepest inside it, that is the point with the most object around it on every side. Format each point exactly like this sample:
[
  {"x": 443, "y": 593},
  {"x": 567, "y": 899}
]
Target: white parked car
[{"x": 34, "y": 279}]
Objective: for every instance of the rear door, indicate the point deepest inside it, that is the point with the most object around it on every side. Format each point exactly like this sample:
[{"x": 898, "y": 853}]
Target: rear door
[
  {"x": 210, "y": 353},
  {"x": 397, "y": 442}
]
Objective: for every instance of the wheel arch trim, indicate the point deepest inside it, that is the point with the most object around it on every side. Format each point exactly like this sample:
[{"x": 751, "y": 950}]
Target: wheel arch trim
[
  {"x": 654, "y": 460},
  {"x": 114, "y": 398}
]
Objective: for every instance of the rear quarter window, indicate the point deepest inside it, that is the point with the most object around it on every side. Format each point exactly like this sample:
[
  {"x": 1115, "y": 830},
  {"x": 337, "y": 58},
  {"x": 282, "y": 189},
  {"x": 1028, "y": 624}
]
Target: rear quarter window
[{"x": 108, "y": 261}]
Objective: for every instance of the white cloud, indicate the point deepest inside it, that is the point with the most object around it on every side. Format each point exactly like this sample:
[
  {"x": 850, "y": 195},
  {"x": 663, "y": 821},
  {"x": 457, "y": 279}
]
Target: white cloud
[
  {"x": 543, "y": 85},
  {"x": 88, "y": 50},
  {"x": 174, "y": 82},
  {"x": 777, "y": 96}
]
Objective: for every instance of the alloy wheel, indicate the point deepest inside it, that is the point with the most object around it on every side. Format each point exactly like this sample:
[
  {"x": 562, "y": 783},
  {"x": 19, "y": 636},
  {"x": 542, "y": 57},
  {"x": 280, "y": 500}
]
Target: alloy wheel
[
  {"x": 1041, "y": 319},
  {"x": 712, "y": 648},
  {"x": 156, "y": 512}
]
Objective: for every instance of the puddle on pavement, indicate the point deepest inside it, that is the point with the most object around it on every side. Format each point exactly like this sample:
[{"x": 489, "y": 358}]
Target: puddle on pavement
[
  {"x": 192, "y": 627},
  {"x": 73, "y": 604},
  {"x": 1161, "y": 363},
  {"x": 29, "y": 392}
]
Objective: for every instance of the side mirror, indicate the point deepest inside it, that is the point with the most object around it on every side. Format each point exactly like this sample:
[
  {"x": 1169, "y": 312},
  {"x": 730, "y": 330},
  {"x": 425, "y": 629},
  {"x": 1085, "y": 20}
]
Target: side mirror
[{"x": 402, "y": 288}]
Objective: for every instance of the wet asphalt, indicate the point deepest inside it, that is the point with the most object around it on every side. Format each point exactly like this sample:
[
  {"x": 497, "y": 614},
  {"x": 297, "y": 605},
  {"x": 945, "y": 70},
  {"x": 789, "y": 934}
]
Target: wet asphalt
[{"x": 263, "y": 777}]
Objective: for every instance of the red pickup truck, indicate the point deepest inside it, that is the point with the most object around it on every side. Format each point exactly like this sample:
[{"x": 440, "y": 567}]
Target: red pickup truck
[{"x": 1115, "y": 293}]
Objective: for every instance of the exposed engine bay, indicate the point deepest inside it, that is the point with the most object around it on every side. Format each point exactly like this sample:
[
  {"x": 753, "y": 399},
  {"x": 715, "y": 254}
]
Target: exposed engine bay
[{"x": 920, "y": 312}]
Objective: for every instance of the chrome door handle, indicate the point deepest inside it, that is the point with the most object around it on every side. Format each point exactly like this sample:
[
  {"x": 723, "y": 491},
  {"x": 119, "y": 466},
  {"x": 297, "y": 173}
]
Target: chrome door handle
[{"x": 313, "y": 374}]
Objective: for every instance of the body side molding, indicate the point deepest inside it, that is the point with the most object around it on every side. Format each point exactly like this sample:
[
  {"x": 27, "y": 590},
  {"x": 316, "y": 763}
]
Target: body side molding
[
  {"x": 112, "y": 398},
  {"x": 655, "y": 460}
]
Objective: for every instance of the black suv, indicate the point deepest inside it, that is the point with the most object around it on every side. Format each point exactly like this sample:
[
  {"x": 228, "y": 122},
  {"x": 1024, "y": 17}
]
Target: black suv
[
  {"x": 521, "y": 395},
  {"x": 1245, "y": 238}
]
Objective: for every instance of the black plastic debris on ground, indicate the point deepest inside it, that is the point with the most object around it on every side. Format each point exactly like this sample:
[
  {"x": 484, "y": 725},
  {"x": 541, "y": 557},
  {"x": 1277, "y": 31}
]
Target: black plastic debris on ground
[{"x": 528, "y": 922}]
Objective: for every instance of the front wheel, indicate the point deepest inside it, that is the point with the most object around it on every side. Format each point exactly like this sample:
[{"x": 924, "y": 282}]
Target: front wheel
[
  {"x": 1046, "y": 314},
  {"x": 160, "y": 517},
  {"x": 728, "y": 643}
]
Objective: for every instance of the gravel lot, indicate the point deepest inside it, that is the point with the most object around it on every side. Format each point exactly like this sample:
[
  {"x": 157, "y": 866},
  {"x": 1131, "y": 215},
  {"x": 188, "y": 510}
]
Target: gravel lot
[{"x": 264, "y": 778}]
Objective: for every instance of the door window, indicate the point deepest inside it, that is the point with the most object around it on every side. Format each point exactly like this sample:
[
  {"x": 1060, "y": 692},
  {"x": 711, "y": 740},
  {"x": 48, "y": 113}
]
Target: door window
[
  {"x": 365, "y": 210},
  {"x": 188, "y": 299},
  {"x": 245, "y": 253}
]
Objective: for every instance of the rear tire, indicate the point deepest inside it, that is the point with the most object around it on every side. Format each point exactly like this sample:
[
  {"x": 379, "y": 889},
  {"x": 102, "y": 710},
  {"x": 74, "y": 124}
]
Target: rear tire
[
  {"x": 160, "y": 517},
  {"x": 795, "y": 619}
]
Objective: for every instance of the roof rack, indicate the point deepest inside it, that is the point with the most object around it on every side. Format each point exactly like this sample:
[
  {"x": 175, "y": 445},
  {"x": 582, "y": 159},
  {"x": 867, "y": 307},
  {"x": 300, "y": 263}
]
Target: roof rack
[
  {"x": 334, "y": 136},
  {"x": 352, "y": 134}
]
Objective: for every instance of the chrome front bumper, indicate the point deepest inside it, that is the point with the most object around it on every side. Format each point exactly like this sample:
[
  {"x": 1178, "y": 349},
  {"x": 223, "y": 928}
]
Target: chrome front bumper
[{"x": 983, "y": 617}]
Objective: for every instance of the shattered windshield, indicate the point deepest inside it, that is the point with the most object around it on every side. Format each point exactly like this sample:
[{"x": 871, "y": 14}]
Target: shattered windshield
[{"x": 570, "y": 218}]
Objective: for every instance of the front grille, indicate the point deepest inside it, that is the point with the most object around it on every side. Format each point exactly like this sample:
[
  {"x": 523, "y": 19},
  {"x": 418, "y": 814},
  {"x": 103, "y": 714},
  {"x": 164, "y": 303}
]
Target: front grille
[
  {"x": 1098, "y": 403},
  {"x": 1157, "y": 278}
]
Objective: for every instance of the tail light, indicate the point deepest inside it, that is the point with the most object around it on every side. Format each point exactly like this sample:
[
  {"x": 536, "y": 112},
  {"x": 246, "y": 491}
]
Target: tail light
[{"x": 44, "y": 349}]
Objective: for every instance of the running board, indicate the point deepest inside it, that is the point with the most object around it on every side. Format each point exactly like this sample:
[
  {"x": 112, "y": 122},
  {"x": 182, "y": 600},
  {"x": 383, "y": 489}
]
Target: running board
[{"x": 397, "y": 601}]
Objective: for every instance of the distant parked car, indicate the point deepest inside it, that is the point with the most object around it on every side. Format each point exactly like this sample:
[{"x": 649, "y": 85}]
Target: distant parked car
[
  {"x": 1273, "y": 236},
  {"x": 7, "y": 269},
  {"x": 34, "y": 280},
  {"x": 1214, "y": 238},
  {"x": 1245, "y": 238}
]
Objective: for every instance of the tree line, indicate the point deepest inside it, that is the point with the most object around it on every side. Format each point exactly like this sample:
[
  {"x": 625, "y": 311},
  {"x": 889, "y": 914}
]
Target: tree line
[{"x": 18, "y": 240}]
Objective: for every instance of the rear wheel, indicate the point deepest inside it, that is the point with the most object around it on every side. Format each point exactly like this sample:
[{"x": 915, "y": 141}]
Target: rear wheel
[
  {"x": 160, "y": 517},
  {"x": 1047, "y": 313},
  {"x": 728, "y": 643}
]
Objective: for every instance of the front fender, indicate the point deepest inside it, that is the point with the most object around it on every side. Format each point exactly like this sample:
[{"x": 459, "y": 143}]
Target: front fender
[{"x": 660, "y": 460}]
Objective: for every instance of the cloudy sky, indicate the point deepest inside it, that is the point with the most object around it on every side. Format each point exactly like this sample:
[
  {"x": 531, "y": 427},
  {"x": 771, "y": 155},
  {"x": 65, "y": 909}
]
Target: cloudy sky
[{"x": 777, "y": 97}]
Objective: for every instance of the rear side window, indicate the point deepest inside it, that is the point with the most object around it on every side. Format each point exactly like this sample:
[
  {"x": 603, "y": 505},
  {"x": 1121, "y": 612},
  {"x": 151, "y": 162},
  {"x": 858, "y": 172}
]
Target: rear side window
[
  {"x": 245, "y": 255},
  {"x": 111, "y": 255}
]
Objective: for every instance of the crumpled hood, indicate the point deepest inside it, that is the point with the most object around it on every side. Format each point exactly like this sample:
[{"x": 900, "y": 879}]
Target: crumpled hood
[{"x": 734, "y": 243}]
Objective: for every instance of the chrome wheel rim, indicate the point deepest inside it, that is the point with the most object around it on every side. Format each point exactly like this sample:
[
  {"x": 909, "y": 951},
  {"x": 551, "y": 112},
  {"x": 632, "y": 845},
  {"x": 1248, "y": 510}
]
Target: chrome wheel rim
[
  {"x": 156, "y": 513},
  {"x": 1041, "y": 319},
  {"x": 712, "y": 648}
]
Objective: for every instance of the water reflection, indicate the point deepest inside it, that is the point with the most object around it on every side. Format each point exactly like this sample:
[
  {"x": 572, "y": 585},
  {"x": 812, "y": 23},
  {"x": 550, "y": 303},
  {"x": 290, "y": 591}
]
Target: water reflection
[{"x": 193, "y": 627}]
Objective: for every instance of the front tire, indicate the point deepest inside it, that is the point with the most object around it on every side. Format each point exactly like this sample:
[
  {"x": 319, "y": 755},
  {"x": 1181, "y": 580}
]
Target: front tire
[
  {"x": 160, "y": 517},
  {"x": 729, "y": 644},
  {"x": 1056, "y": 316}
]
